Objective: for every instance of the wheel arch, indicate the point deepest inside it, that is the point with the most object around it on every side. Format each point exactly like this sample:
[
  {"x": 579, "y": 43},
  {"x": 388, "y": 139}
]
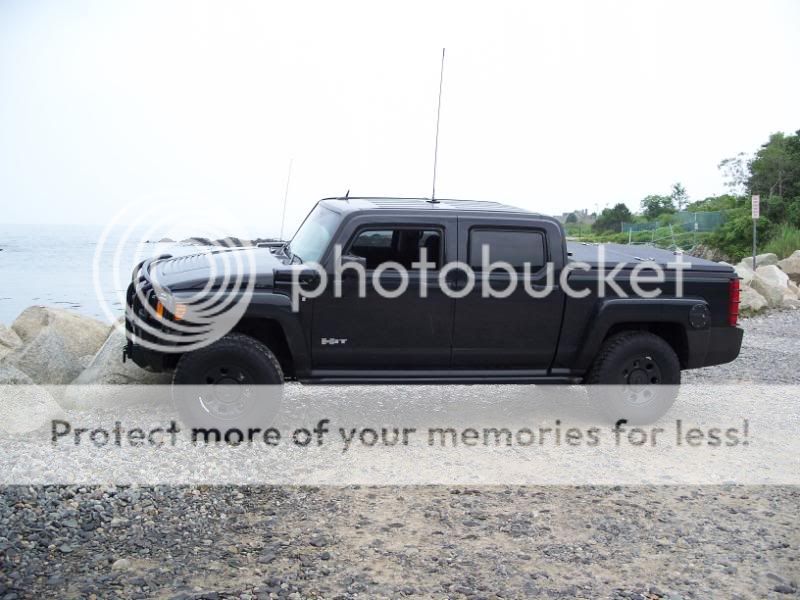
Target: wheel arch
[
  {"x": 671, "y": 332},
  {"x": 270, "y": 319},
  {"x": 666, "y": 318},
  {"x": 269, "y": 332}
]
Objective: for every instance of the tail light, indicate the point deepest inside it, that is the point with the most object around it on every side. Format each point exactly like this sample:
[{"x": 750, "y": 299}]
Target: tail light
[{"x": 733, "y": 302}]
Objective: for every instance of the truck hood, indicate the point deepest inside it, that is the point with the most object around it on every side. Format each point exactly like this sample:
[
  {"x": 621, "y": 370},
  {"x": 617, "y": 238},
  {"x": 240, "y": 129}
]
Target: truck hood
[{"x": 194, "y": 271}]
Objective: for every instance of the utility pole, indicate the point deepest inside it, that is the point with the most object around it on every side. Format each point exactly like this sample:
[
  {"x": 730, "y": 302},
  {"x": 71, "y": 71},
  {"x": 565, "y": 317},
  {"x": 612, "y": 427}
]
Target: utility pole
[{"x": 756, "y": 213}]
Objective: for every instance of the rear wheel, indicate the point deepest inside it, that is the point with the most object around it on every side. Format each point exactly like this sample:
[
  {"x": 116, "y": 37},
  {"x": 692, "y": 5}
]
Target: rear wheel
[
  {"x": 234, "y": 383},
  {"x": 640, "y": 374}
]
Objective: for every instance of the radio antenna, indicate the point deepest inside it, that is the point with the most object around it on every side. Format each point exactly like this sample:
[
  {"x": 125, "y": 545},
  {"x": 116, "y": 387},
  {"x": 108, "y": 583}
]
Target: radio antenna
[
  {"x": 286, "y": 196},
  {"x": 436, "y": 143}
]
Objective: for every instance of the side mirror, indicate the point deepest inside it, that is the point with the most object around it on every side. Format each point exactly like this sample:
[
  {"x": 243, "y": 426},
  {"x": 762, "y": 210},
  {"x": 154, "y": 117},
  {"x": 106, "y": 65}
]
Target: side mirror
[{"x": 350, "y": 258}]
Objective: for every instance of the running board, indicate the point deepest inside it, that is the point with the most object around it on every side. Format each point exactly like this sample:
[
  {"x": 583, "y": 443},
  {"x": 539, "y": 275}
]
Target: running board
[{"x": 398, "y": 377}]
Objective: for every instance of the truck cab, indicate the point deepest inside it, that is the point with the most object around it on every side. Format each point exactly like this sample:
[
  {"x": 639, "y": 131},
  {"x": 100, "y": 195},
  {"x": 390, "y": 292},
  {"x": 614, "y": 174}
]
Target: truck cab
[{"x": 439, "y": 331}]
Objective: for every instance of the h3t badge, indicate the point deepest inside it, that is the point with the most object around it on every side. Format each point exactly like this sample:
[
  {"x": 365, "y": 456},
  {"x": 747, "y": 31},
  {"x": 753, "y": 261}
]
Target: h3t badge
[{"x": 333, "y": 341}]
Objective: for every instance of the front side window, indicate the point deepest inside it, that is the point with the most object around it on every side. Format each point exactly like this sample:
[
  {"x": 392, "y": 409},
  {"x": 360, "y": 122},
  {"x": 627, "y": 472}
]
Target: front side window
[
  {"x": 402, "y": 246},
  {"x": 515, "y": 247},
  {"x": 315, "y": 234}
]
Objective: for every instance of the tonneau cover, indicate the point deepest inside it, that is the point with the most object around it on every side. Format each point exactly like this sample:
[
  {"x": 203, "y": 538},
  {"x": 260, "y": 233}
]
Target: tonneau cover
[{"x": 635, "y": 254}]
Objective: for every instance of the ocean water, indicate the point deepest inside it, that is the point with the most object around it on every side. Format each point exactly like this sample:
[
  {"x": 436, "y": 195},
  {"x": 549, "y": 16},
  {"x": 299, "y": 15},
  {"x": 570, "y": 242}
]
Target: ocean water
[{"x": 53, "y": 265}]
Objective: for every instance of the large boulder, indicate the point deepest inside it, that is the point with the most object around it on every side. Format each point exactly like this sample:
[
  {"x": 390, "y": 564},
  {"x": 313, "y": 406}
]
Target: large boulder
[
  {"x": 82, "y": 333},
  {"x": 744, "y": 272},
  {"x": 750, "y": 301},
  {"x": 762, "y": 260},
  {"x": 773, "y": 284},
  {"x": 11, "y": 376},
  {"x": 107, "y": 367},
  {"x": 773, "y": 275},
  {"x": 100, "y": 385},
  {"x": 55, "y": 343},
  {"x": 24, "y": 406},
  {"x": 772, "y": 294},
  {"x": 9, "y": 341},
  {"x": 791, "y": 266},
  {"x": 791, "y": 296}
]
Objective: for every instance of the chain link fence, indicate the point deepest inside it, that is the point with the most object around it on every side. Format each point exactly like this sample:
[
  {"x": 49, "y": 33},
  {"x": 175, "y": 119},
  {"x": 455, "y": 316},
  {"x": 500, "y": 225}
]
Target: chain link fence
[{"x": 679, "y": 230}]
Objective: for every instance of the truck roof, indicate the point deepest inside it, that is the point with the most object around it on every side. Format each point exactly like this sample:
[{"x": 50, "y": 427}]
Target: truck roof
[{"x": 357, "y": 203}]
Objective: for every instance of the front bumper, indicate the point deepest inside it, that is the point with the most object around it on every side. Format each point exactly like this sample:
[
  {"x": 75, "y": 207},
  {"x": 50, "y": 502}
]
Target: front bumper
[
  {"x": 147, "y": 359},
  {"x": 136, "y": 313}
]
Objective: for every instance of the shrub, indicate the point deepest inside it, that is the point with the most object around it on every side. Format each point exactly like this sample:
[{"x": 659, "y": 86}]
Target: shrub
[
  {"x": 785, "y": 240},
  {"x": 735, "y": 237}
]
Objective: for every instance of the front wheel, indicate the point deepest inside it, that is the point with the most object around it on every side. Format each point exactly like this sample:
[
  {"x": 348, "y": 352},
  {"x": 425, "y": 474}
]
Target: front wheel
[
  {"x": 639, "y": 373},
  {"x": 234, "y": 383}
]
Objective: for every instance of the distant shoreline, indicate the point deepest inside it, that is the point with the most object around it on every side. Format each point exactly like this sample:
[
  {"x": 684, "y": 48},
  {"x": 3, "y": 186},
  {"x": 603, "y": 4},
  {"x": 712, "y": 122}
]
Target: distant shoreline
[{"x": 228, "y": 242}]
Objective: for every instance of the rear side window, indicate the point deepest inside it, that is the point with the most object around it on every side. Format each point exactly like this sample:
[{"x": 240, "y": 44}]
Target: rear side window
[{"x": 515, "y": 247}]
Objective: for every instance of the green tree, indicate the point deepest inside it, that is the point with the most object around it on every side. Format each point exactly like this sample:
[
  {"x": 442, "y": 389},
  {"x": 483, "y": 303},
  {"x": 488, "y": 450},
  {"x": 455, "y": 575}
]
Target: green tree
[
  {"x": 736, "y": 172},
  {"x": 679, "y": 196},
  {"x": 611, "y": 219},
  {"x": 654, "y": 206},
  {"x": 572, "y": 218},
  {"x": 716, "y": 203},
  {"x": 775, "y": 175},
  {"x": 773, "y": 172},
  {"x": 775, "y": 169}
]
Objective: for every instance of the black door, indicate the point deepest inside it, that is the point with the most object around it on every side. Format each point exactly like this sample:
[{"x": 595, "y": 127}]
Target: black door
[
  {"x": 518, "y": 331},
  {"x": 379, "y": 332}
]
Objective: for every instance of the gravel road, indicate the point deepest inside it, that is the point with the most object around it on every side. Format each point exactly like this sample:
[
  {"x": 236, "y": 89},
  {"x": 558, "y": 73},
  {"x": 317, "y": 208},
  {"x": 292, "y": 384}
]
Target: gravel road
[{"x": 420, "y": 542}]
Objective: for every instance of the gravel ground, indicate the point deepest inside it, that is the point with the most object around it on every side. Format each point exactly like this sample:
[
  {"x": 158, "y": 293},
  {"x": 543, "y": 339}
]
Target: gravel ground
[
  {"x": 423, "y": 542},
  {"x": 770, "y": 353}
]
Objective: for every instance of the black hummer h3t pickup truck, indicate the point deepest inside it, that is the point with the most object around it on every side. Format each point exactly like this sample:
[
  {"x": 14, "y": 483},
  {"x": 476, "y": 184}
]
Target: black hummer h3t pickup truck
[{"x": 571, "y": 334}]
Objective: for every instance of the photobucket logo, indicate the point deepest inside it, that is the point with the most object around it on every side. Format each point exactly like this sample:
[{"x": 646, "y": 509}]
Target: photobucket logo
[
  {"x": 644, "y": 279},
  {"x": 159, "y": 317}
]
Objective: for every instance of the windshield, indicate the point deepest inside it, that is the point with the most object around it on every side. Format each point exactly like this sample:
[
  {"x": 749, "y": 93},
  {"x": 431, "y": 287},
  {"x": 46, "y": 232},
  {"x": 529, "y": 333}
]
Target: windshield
[{"x": 314, "y": 235}]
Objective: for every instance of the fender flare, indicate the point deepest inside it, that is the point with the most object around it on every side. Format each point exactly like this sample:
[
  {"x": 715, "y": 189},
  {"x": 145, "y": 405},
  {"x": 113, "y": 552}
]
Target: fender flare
[
  {"x": 645, "y": 311},
  {"x": 278, "y": 308}
]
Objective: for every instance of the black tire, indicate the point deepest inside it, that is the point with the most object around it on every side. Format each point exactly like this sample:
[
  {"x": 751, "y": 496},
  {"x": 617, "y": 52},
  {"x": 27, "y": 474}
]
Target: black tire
[
  {"x": 645, "y": 374},
  {"x": 234, "y": 383}
]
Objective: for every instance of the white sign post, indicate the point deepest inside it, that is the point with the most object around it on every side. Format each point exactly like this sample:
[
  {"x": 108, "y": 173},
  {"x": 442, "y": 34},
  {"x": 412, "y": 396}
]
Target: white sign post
[{"x": 756, "y": 212}]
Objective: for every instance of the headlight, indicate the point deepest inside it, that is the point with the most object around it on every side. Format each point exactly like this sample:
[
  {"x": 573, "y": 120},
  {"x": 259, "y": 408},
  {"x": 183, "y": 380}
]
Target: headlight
[
  {"x": 167, "y": 303},
  {"x": 179, "y": 312}
]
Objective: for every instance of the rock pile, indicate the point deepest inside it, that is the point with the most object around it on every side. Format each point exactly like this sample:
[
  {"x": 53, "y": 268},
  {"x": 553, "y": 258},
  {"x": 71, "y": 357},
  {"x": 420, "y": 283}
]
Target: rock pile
[
  {"x": 55, "y": 344},
  {"x": 773, "y": 284},
  {"x": 54, "y": 347}
]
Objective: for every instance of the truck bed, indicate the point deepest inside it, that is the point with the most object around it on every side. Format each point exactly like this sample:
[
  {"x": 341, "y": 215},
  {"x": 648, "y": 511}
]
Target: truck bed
[{"x": 635, "y": 254}]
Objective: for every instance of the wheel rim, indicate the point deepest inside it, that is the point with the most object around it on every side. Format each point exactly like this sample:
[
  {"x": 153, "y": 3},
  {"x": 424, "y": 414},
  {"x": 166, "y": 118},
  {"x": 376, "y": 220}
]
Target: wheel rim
[
  {"x": 638, "y": 374},
  {"x": 229, "y": 392}
]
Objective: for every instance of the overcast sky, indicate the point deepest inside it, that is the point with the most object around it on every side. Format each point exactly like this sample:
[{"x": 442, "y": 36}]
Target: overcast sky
[{"x": 551, "y": 106}]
